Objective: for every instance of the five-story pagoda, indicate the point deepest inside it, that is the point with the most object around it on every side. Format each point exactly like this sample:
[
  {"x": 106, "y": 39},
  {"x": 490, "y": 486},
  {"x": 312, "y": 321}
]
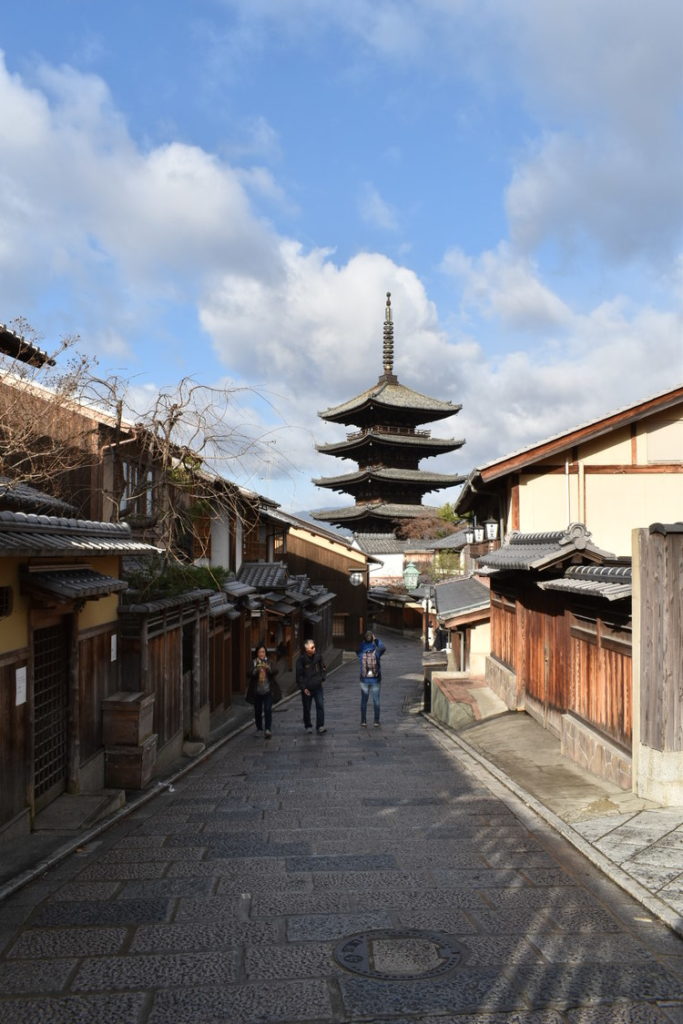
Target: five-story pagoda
[{"x": 388, "y": 485}]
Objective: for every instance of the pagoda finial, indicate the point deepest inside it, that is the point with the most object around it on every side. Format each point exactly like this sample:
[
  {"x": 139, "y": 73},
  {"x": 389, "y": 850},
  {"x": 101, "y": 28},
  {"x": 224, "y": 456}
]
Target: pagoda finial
[{"x": 388, "y": 356}]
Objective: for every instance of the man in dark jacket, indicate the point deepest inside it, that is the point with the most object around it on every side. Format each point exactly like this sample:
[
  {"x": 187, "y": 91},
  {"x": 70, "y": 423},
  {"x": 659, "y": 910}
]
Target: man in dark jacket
[
  {"x": 369, "y": 653},
  {"x": 310, "y": 676}
]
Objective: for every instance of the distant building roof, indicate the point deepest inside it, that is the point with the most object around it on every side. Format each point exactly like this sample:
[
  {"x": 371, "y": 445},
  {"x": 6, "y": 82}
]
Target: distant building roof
[
  {"x": 463, "y": 595},
  {"x": 429, "y": 480}
]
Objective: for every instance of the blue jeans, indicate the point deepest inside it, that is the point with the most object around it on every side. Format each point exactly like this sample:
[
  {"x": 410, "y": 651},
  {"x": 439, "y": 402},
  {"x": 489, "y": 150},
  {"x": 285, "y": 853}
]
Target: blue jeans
[
  {"x": 306, "y": 701},
  {"x": 369, "y": 688},
  {"x": 263, "y": 708}
]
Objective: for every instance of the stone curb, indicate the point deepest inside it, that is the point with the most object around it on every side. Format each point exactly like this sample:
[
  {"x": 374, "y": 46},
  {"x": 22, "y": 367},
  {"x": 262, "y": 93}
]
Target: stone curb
[
  {"x": 656, "y": 906},
  {"x": 86, "y": 837}
]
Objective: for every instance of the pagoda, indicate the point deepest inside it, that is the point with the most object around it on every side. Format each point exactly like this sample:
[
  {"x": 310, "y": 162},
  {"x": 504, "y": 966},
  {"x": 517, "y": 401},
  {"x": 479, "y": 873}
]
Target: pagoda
[{"x": 388, "y": 485}]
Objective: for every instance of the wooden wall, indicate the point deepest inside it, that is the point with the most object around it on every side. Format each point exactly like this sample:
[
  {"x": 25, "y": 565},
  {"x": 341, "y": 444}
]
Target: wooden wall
[
  {"x": 97, "y": 679},
  {"x": 14, "y": 740},
  {"x": 565, "y": 656}
]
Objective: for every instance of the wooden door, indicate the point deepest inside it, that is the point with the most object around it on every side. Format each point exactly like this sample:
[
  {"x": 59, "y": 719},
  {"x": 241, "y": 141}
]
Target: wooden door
[{"x": 50, "y": 648}]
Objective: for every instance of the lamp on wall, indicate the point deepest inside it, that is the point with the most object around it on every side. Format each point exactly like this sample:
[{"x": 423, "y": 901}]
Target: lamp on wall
[
  {"x": 491, "y": 527},
  {"x": 469, "y": 535},
  {"x": 478, "y": 533},
  {"x": 356, "y": 577}
]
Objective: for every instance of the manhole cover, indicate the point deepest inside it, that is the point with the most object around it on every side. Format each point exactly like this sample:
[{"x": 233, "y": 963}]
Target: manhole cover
[{"x": 407, "y": 955}]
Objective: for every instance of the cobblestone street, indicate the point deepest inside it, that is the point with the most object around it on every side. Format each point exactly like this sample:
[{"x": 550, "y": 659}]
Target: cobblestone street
[{"x": 361, "y": 875}]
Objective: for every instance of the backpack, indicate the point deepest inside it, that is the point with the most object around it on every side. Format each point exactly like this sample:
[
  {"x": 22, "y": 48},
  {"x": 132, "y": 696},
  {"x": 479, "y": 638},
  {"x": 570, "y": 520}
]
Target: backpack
[{"x": 369, "y": 663}]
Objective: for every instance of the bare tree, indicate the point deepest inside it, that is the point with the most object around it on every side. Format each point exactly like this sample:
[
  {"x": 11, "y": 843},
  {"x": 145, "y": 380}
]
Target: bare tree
[{"x": 117, "y": 453}]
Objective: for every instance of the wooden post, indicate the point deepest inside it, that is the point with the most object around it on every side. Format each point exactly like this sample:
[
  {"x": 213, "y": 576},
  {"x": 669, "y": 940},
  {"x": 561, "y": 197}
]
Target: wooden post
[
  {"x": 74, "y": 738},
  {"x": 658, "y": 663}
]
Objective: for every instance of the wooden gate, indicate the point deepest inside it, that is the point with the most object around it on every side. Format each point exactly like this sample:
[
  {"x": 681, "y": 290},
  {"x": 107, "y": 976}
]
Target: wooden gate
[{"x": 50, "y": 711}]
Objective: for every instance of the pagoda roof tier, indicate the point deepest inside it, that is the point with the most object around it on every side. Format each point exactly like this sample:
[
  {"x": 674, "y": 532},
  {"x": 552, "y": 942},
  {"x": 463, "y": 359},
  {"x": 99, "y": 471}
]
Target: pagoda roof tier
[
  {"x": 419, "y": 442},
  {"x": 388, "y": 397},
  {"x": 363, "y": 515},
  {"x": 425, "y": 480}
]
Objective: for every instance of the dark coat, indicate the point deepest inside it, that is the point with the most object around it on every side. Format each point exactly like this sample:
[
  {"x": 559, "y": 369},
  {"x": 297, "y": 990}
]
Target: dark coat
[
  {"x": 310, "y": 671},
  {"x": 271, "y": 673}
]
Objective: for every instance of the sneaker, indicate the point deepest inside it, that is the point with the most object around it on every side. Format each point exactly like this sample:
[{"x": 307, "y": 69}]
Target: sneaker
[
  {"x": 309, "y": 728},
  {"x": 364, "y": 725},
  {"x": 376, "y": 725},
  {"x": 268, "y": 734},
  {"x": 323, "y": 728}
]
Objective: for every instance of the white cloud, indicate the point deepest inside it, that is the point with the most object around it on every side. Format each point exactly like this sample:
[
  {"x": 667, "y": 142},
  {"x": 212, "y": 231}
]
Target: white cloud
[
  {"x": 80, "y": 201},
  {"x": 501, "y": 284},
  {"x": 376, "y": 211}
]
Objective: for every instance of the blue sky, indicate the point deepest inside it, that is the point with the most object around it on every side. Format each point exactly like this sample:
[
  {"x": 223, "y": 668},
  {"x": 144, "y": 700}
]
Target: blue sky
[{"x": 227, "y": 188}]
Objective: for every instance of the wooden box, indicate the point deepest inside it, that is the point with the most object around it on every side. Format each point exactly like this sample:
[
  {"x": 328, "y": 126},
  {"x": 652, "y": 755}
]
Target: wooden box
[
  {"x": 127, "y": 718},
  {"x": 130, "y": 767}
]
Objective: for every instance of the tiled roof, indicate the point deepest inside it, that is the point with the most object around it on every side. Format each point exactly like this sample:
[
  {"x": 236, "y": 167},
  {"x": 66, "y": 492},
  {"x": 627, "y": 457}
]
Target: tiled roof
[
  {"x": 666, "y": 528},
  {"x": 395, "y": 396},
  {"x": 381, "y": 510},
  {"x": 453, "y": 542},
  {"x": 263, "y": 574},
  {"x": 459, "y": 596},
  {"x": 163, "y": 604},
  {"x": 19, "y": 496},
  {"x": 387, "y": 544},
  {"x": 25, "y": 534},
  {"x": 418, "y": 476},
  {"x": 17, "y": 347},
  {"x": 72, "y": 584},
  {"x": 542, "y": 550},
  {"x": 418, "y": 440},
  {"x": 612, "y": 582}
]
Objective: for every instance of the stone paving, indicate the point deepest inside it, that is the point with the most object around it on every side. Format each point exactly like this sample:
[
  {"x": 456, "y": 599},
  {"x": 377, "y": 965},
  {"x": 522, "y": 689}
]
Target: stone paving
[{"x": 370, "y": 875}]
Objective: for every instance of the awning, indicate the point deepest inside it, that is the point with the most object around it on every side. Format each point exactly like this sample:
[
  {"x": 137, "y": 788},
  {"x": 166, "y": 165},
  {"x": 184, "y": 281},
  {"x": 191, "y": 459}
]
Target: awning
[{"x": 71, "y": 584}]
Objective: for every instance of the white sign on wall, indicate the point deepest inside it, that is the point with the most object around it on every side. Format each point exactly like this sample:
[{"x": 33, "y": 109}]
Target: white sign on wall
[
  {"x": 114, "y": 638},
  {"x": 20, "y": 677}
]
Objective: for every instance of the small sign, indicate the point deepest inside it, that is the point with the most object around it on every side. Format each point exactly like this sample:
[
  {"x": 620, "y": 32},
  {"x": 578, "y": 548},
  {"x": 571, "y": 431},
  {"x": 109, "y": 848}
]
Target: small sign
[
  {"x": 114, "y": 638},
  {"x": 20, "y": 677}
]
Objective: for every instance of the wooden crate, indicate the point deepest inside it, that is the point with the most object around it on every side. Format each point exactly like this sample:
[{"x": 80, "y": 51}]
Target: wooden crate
[
  {"x": 127, "y": 718},
  {"x": 130, "y": 767}
]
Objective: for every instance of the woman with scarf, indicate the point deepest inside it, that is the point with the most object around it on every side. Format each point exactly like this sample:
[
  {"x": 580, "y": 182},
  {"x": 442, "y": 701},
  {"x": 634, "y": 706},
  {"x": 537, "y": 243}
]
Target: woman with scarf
[{"x": 263, "y": 690}]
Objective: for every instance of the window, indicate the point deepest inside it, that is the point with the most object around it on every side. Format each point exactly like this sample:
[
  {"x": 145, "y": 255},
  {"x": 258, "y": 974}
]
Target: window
[{"x": 137, "y": 497}]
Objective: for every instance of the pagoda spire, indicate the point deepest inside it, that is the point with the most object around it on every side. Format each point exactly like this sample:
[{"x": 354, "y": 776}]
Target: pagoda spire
[{"x": 388, "y": 347}]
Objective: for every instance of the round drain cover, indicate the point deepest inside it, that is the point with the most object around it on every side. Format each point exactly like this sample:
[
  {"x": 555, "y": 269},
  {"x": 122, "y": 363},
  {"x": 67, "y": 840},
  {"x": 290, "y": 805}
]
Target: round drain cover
[{"x": 393, "y": 955}]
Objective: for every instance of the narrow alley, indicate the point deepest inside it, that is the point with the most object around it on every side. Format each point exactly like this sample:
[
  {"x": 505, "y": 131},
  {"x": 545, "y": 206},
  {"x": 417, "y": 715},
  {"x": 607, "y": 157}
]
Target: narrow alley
[{"x": 374, "y": 875}]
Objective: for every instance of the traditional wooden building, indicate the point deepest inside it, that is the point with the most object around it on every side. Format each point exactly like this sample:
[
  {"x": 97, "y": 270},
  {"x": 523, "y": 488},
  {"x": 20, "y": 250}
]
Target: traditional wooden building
[
  {"x": 59, "y": 654},
  {"x": 561, "y": 643},
  {"x": 388, "y": 485}
]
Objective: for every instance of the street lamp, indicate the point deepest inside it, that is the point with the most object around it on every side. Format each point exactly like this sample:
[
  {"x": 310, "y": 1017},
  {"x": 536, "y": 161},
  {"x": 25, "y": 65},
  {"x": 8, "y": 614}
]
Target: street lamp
[
  {"x": 469, "y": 535},
  {"x": 356, "y": 577},
  {"x": 411, "y": 576}
]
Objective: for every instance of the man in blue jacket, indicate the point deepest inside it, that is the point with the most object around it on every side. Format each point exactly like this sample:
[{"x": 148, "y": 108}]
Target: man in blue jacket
[{"x": 369, "y": 655}]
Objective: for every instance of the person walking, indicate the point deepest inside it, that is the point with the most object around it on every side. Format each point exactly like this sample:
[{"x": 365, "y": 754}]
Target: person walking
[
  {"x": 310, "y": 676},
  {"x": 369, "y": 654},
  {"x": 263, "y": 690}
]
